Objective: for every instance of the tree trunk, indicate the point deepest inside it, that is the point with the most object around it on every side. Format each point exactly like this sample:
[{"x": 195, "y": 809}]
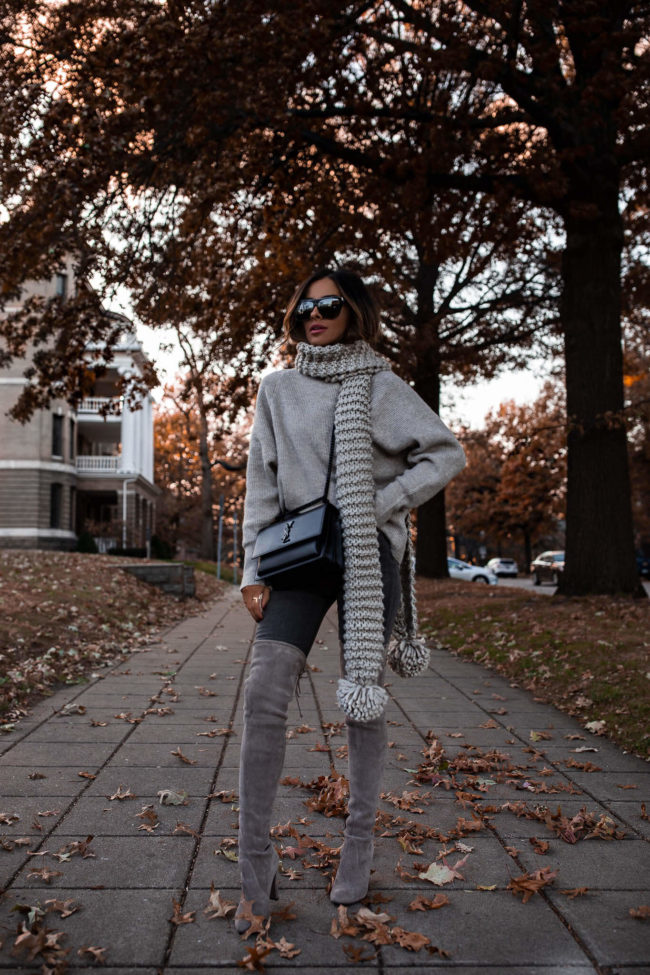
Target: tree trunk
[
  {"x": 528, "y": 550},
  {"x": 431, "y": 543},
  {"x": 431, "y": 540},
  {"x": 207, "y": 519},
  {"x": 599, "y": 534}
]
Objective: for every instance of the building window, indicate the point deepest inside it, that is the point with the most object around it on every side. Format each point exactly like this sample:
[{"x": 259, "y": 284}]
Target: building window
[
  {"x": 56, "y": 496},
  {"x": 73, "y": 439},
  {"x": 57, "y": 435},
  {"x": 61, "y": 284},
  {"x": 73, "y": 506}
]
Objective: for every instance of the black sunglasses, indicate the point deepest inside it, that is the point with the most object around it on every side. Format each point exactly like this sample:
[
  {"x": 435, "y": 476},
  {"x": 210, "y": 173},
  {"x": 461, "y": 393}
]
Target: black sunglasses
[{"x": 328, "y": 307}]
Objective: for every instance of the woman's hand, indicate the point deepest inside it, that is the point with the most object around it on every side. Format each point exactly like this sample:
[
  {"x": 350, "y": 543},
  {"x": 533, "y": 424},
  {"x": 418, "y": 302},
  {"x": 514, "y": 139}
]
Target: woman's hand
[{"x": 256, "y": 598}]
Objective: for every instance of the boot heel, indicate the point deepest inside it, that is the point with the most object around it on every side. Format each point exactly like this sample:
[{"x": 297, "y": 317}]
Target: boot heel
[{"x": 274, "y": 888}]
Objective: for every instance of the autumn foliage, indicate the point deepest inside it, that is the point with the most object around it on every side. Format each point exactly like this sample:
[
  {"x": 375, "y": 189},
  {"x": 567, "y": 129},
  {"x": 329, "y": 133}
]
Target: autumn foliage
[{"x": 482, "y": 164}]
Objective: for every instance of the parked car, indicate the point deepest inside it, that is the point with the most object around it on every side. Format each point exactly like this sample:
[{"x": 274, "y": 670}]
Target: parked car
[
  {"x": 547, "y": 567},
  {"x": 471, "y": 573},
  {"x": 643, "y": 565},
  {"x": 506, "y": 568}
]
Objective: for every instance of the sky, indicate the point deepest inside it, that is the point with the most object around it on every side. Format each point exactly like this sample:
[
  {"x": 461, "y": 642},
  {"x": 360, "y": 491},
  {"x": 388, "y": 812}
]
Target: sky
[{"x": 466, "y": 405}]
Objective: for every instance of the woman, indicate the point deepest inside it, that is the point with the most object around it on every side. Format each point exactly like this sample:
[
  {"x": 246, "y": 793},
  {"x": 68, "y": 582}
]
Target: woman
[{"x": 392, "y": 454}]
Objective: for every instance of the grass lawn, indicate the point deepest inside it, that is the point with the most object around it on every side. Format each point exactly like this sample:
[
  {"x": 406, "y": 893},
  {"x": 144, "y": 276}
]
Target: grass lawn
[
  {"x": 65, "y": 614},
  {"x": 588, "y": 656}
]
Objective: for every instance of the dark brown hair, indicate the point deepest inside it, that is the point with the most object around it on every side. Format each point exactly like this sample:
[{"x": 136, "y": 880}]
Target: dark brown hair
[{"x": 364, "y": 310}]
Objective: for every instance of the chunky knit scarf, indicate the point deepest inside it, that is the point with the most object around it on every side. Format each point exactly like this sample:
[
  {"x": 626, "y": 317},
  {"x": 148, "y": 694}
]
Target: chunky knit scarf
[{"x": 359, "y": 693}]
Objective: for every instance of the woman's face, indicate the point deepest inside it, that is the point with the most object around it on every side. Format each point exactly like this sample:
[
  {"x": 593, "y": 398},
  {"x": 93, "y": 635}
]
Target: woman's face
[{"x": 325, "y": 331}]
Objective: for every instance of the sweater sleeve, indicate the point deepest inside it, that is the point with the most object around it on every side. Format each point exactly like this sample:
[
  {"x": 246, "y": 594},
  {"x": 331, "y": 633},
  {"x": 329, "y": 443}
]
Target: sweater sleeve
[
  {"x": 261, "y": 504},
  {"x": 404, "y": 424}
]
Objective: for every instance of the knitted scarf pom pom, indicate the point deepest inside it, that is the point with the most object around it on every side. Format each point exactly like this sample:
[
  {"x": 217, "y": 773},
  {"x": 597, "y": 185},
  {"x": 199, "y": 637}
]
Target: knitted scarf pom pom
[
  {"x": 361, "y": 703},
  {"x": 409, "y": 657}
]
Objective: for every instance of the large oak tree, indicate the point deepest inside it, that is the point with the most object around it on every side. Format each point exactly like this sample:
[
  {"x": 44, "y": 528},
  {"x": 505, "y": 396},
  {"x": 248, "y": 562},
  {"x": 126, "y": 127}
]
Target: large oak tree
[{"x": 126, "y": 104}]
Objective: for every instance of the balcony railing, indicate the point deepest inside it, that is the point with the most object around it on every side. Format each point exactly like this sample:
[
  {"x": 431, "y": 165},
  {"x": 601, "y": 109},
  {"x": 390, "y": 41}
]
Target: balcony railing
[
  {"x": 95, "y": 404},
  {"x": 103, "y": 465}
]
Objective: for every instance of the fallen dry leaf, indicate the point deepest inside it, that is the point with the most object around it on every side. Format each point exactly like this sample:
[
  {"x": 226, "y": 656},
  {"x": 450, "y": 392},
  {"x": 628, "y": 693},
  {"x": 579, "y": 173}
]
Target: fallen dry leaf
[
  {"x": 179, "y": 754},
  {"x": 97, "y": 954},
  {"x": 531, "y": 883},
  {"x": 47, "y": 876},
  {"x": 150, "y": 817},
  {"x": 217, "y": 906},
  {"x": 284, "y": 913},
  {"x": 342, "y": 924},
  {"x": 185, "y": 828},
  {"x": 40, "y": 940},
  {"x": 286, "y": 949},
  {"x": 411, "y": 940},
  {"x": 179, "y": 918},
  {"x": 167, "y": 797},
  {"x": 253, "y": 961},
  {"x": 575, "y": 892},
  {"x": 225, "y": 795},
  {"x": 422, "y": 903},
  {"x": 443, "y": 873},
  {"x": 641, "y": 913},
  {"x": 356, "y": 955},
  {"x": 122, "y": 793},
  {"x": 76, "y": 846},
  {"x": 540, "y": 846},
  {"x": 64, "y": 908}
]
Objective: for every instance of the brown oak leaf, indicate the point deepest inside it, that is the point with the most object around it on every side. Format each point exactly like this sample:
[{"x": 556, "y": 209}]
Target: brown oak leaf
[
  {"x": 284, "y": 913},
  {"x": 412, "y": 940},
  {"x": 356, "y": 955},
  {"x": 217, "y": 906},
  {"x": 540, "y": 846},
  {"x": 641, "y": 913},
  {"x": 253, "y": 961},
  {"x": 185, "y": 828},
  {"x": 47, "y": 876},
  {"x": 422, "y": 903},
  {"x": 531, "y": 883},
  {"x": 150, "y": 817},
  {"x": 286, "y": 949},
  {"x": 97, "y": 954},
  {"x": 64, "y": 908},
  {"x": 178, "y": 917},
  {"x": 122, "y": 793},
  {"x": 341, "y": 924},
  {"x": 179, "y": 754}
]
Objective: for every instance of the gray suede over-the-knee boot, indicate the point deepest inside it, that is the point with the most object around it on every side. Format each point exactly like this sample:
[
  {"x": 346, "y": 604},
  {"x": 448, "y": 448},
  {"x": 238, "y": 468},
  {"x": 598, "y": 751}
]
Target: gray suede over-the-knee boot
[
  {"x": 270, "y": 685},
  {"x": 367, "y": 745}
]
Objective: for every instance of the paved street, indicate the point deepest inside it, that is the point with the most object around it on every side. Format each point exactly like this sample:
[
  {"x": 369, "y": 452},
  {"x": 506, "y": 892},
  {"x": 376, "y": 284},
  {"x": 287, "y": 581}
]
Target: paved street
[
  {"x": 505, "y": 798},
  {"x": 525, "y": 582}
]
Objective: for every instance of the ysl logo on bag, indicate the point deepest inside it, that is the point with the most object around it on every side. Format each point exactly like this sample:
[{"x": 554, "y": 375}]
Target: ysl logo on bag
[{"x": 287, "y": 531}]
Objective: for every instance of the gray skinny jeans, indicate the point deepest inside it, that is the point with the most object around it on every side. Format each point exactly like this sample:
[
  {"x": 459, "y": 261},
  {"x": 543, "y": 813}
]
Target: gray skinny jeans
[{"x": 294, "y": 616}]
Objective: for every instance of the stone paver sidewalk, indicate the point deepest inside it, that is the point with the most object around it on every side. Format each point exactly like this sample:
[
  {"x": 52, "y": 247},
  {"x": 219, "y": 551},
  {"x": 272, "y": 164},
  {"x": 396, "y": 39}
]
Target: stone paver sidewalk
[{"x": 129, "y": 729}]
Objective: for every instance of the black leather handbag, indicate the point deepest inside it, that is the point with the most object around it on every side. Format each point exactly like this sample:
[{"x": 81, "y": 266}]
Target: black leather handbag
[{"x": 303, "y": 548}]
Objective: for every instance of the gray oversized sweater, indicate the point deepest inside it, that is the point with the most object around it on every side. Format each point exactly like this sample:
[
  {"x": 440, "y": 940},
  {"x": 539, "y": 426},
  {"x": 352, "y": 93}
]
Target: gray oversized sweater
[{"x": 414, "y": 454}]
